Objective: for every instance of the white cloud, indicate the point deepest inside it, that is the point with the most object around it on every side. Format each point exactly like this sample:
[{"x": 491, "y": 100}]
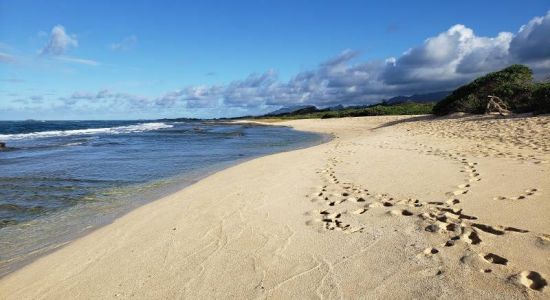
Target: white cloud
[
  {"x": 485, "y": 54},
  {"x": 59, "y": 42},
  {"x": 83, "y": 95},
  {"x": 126, "y": 43},
  {"x": 37, "y": 98},
  {"x": 450, "y": 57},
  {"x": 76, "y": 60},
  {"x": 441, "y": 62},
  {"x": 6, "y": 58},
  {"x": 532, "y": 42},
  {"x": 106, "y": 100},
  {"x": 532, "y": 45}
]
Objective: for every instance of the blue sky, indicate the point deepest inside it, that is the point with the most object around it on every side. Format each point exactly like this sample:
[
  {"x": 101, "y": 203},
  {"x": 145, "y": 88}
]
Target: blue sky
[{"x": 151, "y": 59}]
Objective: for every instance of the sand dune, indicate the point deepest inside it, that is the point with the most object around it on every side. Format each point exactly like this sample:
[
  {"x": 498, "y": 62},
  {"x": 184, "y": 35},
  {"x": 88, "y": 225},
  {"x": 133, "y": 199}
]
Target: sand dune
[{"x": 392, "y": 207}]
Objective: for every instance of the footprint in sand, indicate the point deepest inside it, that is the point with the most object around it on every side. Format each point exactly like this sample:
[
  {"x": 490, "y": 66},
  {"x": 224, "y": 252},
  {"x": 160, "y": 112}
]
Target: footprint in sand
[
  {"x": 528, "y": 193},
  {"x": 495, "y": 259},
  {"x": 334, "y": 216},
  {"x": 456, "y": 193},
  {"x": 452, "y": 201},
  {"x": 359, "y": 211},
  {"x": 374, "y": 204},
  {"x": 463, "y": 186},
  {"x": 473, "y": 174},
  {"x": 313, "y": 222},
  {"x": 354, "y": 230},
  {"x": 399, "y": 212},
  {"x": 442, "y": 217},
  {"x": 543, "y": 240},
  {"x": 474, "y": 179},
  {"x": 457, "y": 213},
  {"x": 531, "y": 280},
  {"x": 471, "y": 237},
  {"x": 430, "y": 251},
  {"x": 488, "y": 229}
]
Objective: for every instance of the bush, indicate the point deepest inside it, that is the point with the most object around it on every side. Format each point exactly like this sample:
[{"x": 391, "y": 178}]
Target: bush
[
  {"x": 512, "y": 84},
  {"x": 410, "y": 108},
  {"x": 540, "y": 100}
]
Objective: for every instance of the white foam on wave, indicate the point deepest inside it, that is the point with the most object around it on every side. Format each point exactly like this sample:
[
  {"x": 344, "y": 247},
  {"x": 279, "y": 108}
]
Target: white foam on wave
[{"x": 90, "y": 131}]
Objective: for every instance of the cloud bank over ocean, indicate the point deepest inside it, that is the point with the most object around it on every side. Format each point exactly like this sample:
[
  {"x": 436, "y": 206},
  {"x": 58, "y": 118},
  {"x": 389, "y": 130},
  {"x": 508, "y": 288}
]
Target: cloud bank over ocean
[{"x": 442, "y": 62}]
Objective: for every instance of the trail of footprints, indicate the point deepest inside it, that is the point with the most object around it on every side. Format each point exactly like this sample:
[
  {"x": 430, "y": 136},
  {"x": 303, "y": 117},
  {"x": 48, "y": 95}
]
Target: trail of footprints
[
  {"x": 340, "y": 201},
  {"x": 487, "y": 151},
  {"x": 527, "y": 194},
  {"x": 481, "y": 150},
  {"x": 529, "y": 134}
]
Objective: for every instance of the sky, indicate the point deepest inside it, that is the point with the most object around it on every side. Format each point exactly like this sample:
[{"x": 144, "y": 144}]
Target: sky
[{"x": 163, "y": 59}]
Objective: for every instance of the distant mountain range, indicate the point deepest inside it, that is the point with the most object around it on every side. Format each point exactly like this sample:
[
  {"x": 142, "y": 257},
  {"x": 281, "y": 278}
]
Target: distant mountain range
[
  {"x": 287, "y": 110},
  {"x": 305, "y": 109},
  {"x": 420, "y": 98},
  {"x": 301, "y": 109}
]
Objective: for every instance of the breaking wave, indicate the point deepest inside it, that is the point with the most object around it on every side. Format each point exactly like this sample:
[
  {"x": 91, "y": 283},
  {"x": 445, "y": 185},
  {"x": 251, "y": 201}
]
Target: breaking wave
[{"x": 89, "y": 131}]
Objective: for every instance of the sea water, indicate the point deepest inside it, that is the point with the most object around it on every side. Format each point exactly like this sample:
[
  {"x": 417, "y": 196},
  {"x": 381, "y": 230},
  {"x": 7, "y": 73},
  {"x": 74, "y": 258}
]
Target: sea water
[{"x": 60, "y": 179}]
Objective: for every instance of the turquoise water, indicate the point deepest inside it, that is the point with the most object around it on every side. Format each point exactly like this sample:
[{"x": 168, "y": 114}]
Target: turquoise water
[{"x": 60, "y": 179}]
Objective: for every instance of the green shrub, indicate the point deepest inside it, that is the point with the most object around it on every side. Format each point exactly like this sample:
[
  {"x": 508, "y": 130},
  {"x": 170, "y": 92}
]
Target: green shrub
[
  {"x": 540, "y": 100},
  {"x": 375, "y": 110},
  {"x": 512, "y": 84}
]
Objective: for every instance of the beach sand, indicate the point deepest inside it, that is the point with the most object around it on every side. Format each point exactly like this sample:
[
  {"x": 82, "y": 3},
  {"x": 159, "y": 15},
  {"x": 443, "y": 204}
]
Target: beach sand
[{"x": 392, "y": 207}]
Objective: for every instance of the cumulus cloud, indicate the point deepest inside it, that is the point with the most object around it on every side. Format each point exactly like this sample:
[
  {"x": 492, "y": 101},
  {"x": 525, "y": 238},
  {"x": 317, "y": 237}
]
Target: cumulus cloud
[
  {"x": 251, "y": 91},
  {"x": 533, "y": 40},
  {"x": 82, "y": 95},
  {"x": 59, "y": 42},
  {"x": 442, "y": 62},
  {"x": 458, "y": 55},
  {"x": 485, "y": 54},
  {"x": 37, "y": 98},
  {"x": 201, "y": 96},
  {"x": 446, "y": 60},
  {"x": 344, "y": 57},
  {"x": 169, "y": 99}
]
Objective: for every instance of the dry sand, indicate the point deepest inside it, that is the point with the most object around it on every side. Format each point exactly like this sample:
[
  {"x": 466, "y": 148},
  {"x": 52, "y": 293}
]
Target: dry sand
[{"x": 392, "y": 207}]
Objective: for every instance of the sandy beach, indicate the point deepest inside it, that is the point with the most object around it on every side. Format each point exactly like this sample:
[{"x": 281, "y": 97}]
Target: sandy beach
[{"x": 391, "y": 208}]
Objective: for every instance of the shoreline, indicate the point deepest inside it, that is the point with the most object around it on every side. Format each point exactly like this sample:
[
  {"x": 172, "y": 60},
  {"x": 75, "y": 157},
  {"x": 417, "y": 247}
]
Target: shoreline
[
  {"x": 173, "y": 185},
  {"x": 261, "y": 225}
]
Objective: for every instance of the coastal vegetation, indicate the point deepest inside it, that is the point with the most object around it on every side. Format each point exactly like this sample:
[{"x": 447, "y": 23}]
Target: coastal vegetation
[
  {"x": 514, "y": 85},
  {"x": 409, "y": 108},
  {"x": 540, "y": 100}
]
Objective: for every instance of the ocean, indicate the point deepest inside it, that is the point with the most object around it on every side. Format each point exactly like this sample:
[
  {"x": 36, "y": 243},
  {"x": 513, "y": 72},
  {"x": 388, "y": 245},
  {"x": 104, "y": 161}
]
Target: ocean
[{"x": 61, "y": 179}]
